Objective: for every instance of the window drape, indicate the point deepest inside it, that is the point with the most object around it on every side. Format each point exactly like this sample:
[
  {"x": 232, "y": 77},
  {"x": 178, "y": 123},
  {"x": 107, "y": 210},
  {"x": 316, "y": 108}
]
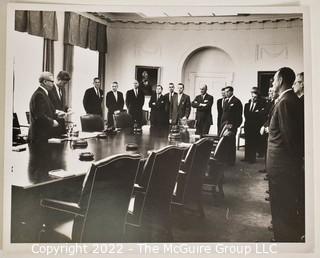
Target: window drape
[
  {"x": 37, "y": 23},
  {"x": 48, "y": 56},
  {"x": 83, "y": 32}
]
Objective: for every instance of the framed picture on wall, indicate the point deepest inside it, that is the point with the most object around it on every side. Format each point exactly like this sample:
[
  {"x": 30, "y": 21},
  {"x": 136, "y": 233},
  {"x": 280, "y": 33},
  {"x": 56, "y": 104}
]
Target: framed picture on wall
[{"x": 148, "y": 78}]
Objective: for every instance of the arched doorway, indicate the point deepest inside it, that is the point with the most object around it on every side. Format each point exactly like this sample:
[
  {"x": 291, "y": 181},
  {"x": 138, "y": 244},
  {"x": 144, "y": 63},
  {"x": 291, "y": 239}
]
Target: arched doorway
[{"x": 211, "y": 66}]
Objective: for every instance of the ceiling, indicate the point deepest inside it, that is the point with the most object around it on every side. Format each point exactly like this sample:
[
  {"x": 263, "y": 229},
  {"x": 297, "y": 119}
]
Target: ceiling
[{"x": 193, "y": 16}]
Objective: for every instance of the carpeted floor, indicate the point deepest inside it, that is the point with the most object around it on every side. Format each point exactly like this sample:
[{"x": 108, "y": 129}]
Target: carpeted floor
[{"x": 243, "y": 215}]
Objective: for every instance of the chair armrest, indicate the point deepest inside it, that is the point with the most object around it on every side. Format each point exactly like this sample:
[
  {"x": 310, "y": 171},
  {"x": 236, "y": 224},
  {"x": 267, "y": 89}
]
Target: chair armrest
[
  {"x": 67, "y": 207},
  {"x": 179, "y": 189},
  {"x": 182, "y": 165},
  {"x": 138, "y": 188}
]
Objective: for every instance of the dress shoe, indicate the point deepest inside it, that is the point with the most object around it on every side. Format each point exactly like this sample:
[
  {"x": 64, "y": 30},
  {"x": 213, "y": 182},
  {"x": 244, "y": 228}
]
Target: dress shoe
[
  {"x": 266, "y": 178},
  {"x": 267, "y": 192},
  {"x": 270, "y": 228},
  {"x": 262, "y": 171},
  {"x": 267, "y": 199}
]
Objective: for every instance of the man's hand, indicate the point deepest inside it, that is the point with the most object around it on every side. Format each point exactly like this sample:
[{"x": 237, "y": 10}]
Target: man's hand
[
  {"x": 262, "y": 130},
  {"x": 202, "y": 105},
  {"x": 60, "y": 114},
  {"x": 116, "y": 112},
  {"x": 55, "y": 123}
]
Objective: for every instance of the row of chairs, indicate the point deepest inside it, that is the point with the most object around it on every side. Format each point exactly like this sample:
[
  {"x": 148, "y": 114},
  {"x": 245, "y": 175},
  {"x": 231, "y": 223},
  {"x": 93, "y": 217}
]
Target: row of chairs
[{"x": 128, "y": 199}]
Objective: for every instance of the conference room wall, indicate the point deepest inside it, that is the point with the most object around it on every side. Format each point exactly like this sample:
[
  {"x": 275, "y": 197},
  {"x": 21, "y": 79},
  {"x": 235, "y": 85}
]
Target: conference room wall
[{"x": 252, "y": 47}]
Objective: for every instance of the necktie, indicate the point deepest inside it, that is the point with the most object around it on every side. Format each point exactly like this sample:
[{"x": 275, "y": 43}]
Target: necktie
[
  {"x": 136, "y": 92},
  {"x": 252, "y": 106},
  {"x": 170, "y": 97},
  {"x": 98, "y": 93}
]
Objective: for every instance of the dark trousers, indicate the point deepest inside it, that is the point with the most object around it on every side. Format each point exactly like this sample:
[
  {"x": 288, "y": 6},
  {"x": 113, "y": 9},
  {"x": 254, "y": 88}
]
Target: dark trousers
[
  {"x": 136, "y": 116},
  {"x": 285, "y": 221},
  {"x": 229, "y": 153},
  {"x": 251, "y": 146},
  {"x": 110, "y": 119},
  {"x": 202, "y": 128}
]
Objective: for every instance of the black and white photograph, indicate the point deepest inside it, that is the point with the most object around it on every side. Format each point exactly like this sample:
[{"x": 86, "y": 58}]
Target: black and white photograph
[{"x": 156, "y": 125}]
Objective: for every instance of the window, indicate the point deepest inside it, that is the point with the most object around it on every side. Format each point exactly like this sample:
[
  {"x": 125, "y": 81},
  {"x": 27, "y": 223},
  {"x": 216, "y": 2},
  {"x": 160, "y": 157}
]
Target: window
[
  {"x": 85, "y": 69},
  {"x": 27, "y": 66}
]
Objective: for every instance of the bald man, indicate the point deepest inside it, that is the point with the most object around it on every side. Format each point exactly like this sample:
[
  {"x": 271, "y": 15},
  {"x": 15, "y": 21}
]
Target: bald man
[
  {"x": 134, "y": 103},
  {"x": 203, "y": 104},
  {"x": 43, "y": 123}
]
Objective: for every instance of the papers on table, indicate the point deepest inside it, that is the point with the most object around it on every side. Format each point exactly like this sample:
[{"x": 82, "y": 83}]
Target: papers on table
[
  {"x": 60, "y": 173},
  {"x": 82, "y": 136}
]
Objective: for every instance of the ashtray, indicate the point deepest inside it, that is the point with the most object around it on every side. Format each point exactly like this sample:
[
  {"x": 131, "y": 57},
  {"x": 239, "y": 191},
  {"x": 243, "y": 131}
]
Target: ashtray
[
  {"x": 86, "y": 156},
  {"x": 131, "y": 146},
  {"x": 79, "y": 144}
]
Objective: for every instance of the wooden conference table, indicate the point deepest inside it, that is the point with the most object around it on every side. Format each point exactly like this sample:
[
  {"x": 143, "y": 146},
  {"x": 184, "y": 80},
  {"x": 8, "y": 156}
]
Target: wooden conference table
[{"x": 30, "y": 179}]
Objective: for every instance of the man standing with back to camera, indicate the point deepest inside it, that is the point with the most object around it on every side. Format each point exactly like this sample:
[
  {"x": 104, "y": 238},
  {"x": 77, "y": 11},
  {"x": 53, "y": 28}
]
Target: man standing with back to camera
[{"x": 285, "y": 158}]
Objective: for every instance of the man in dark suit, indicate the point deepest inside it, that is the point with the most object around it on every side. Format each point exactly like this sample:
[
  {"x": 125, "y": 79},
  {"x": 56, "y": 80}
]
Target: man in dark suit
[
  {"x": 230, "y": 121},
  {"x": 43, "y": 123},
  {"x": 203, "y": 103},
  {"x": 285, "y": 158},
  {"x": 220, "y": 105},
  {"x": 57, "y": 97},
  {"x": 253, "y": 114},
  {"x": 157, "y": 104},
  {"x": 135, "y": 102},
  {"x": 184, "y": 104},
  {"x": 93, "y": 98},
  {"x": 171, "y": 104},
  {"x": 114, "y": 102}
]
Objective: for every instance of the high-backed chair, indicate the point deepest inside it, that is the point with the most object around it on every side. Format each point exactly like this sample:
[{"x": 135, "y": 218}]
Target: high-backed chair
[
  {"x": 157, "y": 185},
  {"x": 216, "y": 163},
  {"x": 101, "y": 212},
  {"x": 17, "y": 138},
  {"x": 91, "y": 123},
  {"x": 122, "y": 120},
  {"x": 184, "y": 172},
  {"x": 189, "y": 184}
]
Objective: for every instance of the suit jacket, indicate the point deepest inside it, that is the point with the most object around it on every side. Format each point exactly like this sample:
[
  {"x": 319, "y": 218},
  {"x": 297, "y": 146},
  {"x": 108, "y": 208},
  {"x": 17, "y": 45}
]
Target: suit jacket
[
  {"x": 133, "y": 103},
  {"x": 184, "y": 107},
  {"x": 158, "y": 114},
  {"x": 58, "y": 103},
  {"x": 172, "y": 107},
  {"x": 254, "y": 119},
  {"x": 42, "y": 114},
  {"x": 203, "y": 114},
  {"x": 232, "y": 114},
  {"x": 91, "y": 101},
  {"x": 220, "y": 111},
  {"x": 286, "y": 137},
  {"x": 111, "y": 102}
]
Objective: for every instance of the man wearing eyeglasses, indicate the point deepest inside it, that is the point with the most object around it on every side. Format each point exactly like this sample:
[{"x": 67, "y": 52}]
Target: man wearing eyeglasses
[{"x": 43, "y": 119}]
